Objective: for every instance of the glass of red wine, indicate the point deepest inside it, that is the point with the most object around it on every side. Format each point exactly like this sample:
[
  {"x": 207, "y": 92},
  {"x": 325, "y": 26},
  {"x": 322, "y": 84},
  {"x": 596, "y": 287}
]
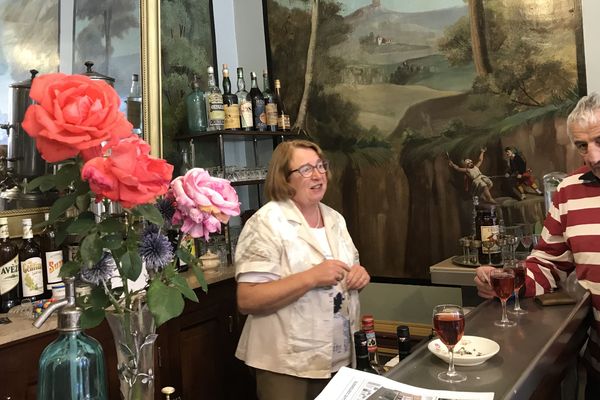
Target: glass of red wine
[
  {"x": 503, "y": 283},
  {"x": 520, "y": 271},
  {"x": 449, "y": 325}
]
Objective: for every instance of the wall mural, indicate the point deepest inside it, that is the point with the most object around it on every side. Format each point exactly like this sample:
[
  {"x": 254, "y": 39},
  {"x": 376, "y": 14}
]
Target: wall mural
[{"x": 406, "y": 91}]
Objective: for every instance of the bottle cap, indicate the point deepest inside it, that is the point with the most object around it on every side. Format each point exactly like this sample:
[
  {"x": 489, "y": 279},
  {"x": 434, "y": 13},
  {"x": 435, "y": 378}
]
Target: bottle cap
[
  {"x": 252, "y": 74},
  {"x": 277, "y": 84},
  {"x": 210, "y": 70},
  {"x": 134, "y": 77},
  {"x": 402, "y": 331}
]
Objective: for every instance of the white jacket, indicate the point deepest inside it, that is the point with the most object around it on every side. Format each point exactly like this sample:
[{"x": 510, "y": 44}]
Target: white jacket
[{"x": 297, "y": 339}]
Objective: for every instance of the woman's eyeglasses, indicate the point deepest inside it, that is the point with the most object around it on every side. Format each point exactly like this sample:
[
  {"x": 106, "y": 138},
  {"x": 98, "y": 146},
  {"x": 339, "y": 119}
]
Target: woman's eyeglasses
[{"x": 306, "y": 170}]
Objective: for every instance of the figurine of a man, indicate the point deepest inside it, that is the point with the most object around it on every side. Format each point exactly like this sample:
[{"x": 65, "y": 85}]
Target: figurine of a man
[
  {"x": 517, "y": 169},
  {"x": 481, "y": 183}
]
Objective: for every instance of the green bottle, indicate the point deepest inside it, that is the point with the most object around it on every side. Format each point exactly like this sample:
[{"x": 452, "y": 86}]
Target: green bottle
[{"x": 71, "y": 367}]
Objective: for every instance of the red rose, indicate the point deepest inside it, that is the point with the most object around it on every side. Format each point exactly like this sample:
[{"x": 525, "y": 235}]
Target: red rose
[
  {"x": 129, "y": 174},
  {"x": 73, "y": 113}
]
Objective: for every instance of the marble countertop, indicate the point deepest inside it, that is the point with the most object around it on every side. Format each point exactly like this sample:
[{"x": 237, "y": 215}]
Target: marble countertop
[{"x": 21, "y": 326}]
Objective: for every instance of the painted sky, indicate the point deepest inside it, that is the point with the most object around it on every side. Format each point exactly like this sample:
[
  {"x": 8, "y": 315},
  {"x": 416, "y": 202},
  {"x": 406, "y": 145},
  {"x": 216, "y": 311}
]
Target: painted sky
[{"x": 403, "y": 5}]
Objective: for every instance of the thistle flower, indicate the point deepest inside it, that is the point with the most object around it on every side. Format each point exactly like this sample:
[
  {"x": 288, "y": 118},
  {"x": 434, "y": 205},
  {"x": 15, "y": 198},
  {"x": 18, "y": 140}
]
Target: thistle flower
[
  {"x": 155, "y": 249},
  {"x": 166, "y": 206},
  {"x": 101, "y": 271}
]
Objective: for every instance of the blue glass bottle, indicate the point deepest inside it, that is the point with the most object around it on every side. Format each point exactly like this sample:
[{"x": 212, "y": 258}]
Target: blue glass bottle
[
  {"x": 71, "y": 367},
  {"x": 196, "y": 108}
]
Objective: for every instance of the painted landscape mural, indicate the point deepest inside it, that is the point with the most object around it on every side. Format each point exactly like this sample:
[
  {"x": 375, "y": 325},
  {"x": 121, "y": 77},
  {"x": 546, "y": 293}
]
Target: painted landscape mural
[{"x": 397, "y": 91}]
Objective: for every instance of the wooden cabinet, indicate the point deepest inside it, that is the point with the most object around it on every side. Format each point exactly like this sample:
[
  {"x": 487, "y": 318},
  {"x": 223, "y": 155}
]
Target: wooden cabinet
[{"x": 194, "y": 353}]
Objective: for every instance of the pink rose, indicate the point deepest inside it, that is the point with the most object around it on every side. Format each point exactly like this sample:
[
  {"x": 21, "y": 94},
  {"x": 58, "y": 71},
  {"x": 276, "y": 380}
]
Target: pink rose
[
  {"x": 73, "y": 113},
  {"x": 129, "y": 174},
  {"x": 203, "y": 202}
]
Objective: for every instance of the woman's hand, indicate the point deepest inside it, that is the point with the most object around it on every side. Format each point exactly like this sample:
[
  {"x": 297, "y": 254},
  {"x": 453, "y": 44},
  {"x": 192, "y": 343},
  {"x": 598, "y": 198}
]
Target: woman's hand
[
  {"x": 328, "y": 273},
  {"x": 357, "y": 277},
  {"x": 482, "y": 280}
]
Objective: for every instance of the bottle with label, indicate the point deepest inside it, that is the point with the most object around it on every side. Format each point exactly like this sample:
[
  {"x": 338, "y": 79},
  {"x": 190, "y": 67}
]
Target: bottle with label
[
  {"x": 134, "y": 105},
  {"x": 52, "y": 256},
  {"x": 10, "y": 288},
  {"x": 244, "y": 101},
  {"x": 258, "y": 105},
  {"x": 33, "y": 274},
  {"x": 368, "y": 326},
  {"x": 362, "y": 353},
  {"x": 283, "y": 118},
  {"x": 196, "y": 108},
  {"x": 403, "y": 335},
  {"x": 487, "y": 232},
  {"x": 214, "y": 103},
  {"x": 270, "y": 104},
  {"x": 230, "y": 103}
]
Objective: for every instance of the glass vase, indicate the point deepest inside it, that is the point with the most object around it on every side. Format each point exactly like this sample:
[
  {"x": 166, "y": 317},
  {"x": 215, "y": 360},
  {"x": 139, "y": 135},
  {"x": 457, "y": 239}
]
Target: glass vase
[{"x": 134, "y": 333}]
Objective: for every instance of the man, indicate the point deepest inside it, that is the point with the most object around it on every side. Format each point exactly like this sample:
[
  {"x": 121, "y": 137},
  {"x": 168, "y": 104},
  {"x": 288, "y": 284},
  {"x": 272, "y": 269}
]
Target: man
[
  {"x": 480, "y": 182},
  {"x": 518, "y": 171},
  {"x": 570, "y": 240}
]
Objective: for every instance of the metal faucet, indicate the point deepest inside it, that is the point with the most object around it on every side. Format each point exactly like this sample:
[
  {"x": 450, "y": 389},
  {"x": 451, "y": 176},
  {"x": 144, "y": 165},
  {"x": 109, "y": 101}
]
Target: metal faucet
[{"x": 69, "y": 300}]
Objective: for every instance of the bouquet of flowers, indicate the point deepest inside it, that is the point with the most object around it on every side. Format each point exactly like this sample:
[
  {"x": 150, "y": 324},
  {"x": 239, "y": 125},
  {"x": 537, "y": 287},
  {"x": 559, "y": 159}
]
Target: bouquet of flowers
[{"x": 76, "y": 123}]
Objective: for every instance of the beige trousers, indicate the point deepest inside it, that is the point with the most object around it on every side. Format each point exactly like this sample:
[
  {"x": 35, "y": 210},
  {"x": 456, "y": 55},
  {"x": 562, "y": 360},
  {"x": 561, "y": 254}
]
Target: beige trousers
[{"x": 274, "y": 386}]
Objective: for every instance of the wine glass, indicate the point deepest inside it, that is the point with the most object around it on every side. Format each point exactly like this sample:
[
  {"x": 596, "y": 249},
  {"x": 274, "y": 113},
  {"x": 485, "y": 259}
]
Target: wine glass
[
  {"x": 465, "y": 242},
  {"x": 519, "y": 270},
  {"x": 449, "y": 325},
  {"x": 488, "y": 245},
  {"x": 503, "y": 282}
]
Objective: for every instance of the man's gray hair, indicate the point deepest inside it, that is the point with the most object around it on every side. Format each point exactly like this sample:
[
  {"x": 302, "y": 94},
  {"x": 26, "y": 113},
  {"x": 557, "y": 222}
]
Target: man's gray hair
[{"x": 584, "y": 113}]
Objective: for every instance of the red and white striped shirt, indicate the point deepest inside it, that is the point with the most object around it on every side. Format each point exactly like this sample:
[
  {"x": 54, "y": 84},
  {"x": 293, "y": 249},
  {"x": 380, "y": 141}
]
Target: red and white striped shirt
[{"x": 571, "y": 242}]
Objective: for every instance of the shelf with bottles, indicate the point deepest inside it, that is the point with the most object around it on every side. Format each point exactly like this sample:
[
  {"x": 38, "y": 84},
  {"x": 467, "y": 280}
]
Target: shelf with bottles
[{"x": 238, "y": 134}]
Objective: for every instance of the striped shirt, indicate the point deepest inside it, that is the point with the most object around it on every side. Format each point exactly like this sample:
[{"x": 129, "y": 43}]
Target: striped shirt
[{"x": 570, "y": 241}]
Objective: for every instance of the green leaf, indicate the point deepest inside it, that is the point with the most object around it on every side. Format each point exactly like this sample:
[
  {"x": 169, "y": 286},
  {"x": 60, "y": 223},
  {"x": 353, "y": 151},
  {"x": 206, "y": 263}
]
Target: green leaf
[
  {"x": 112, "y": 242},
  {"x": 91, "y": 249},
  {"x": 131, "y": 264},
  {"x": 83, "y": 201},
  {"x": 200, "y": 277},
  {"x": 44, "y": 182},
  {"x": 66, "y": 175},
  {"x": 91, "y": 317},
  {"x": 185, "y": 255},
  {"x": 83, "y": 224},
  {"x": 61, "y": 231},
  {"x": 182, "y": 285},
  {"x": 165, "y": 302},
  {"x": 70, "y": 268},
  {"x": 110, "y": 225},
  {"x": 150, "y": 213},
  {"x": 98, "y": 298},
  {"x": 61, "y": 205}
]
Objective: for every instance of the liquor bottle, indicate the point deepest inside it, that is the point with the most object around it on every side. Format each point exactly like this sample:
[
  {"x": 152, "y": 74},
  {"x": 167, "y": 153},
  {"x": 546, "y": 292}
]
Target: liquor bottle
[
  {"x": 244, "y": 101},
  {"x": 33, "y": 274},
  {"x": 230, "y": 103},
  {"x": 362, "y": 353},
  {"x": 52, "y": 256},
  {"x": 214, "y": 103},
  {"x": 196, "y": 108},
  {"x": 10, "y": 288},
  {"x": 258, "y": 105},
  {"x": 134, "y": 105},
  {"x": 368, "y": 327},
  {"x": 487, "y": 232},
  {"x": 270, "y": 104},
  {"x": 403, "y": 335},
  {"x": 283, "y": 118}
]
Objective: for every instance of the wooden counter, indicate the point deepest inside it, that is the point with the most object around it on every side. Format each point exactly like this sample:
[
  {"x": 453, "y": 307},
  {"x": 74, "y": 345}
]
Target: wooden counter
[{"x": 534, "y": 356}]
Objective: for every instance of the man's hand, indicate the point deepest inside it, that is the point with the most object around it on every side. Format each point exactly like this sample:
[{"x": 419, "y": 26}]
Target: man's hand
[{"x": 482, "y": 280}]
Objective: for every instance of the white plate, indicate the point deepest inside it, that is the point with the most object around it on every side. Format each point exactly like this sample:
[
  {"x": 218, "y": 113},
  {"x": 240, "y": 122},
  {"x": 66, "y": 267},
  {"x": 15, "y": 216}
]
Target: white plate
[{"x": 469, "y": 351}]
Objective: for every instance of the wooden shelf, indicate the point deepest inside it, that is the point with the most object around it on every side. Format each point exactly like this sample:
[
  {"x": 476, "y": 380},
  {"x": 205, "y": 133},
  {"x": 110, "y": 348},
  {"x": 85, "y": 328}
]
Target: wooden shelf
[{"x": 234, "y": 133}]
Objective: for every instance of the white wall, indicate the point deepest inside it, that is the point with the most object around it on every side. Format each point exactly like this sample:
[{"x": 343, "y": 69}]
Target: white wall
[{"x": 591, "y": 33}]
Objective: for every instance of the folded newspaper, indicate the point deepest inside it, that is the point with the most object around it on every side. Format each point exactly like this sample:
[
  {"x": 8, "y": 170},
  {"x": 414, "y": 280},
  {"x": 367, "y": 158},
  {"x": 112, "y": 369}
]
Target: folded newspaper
[{"x": 350, "y": 384}]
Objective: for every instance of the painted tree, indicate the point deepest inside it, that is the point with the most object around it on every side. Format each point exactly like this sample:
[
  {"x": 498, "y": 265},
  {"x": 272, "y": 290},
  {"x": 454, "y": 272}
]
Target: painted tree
[{"x": 478, "y": 38}]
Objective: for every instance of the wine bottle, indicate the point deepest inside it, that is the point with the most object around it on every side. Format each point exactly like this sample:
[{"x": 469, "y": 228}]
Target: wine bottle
[
  {"x": 403, "y": 335},
  {"x": 362, "y": 353},
  {"x": 244, "y": 101},
  {"x": 214, "y": 103},
  {"x": 33, "y": 275},
  {"x": 10, "y": 288},
  {"x": 230, "y": 103},
  {"x": 134, "y": 105},
  {"x": 283, "y": 118},
  {"x": 258, "y": 105},
  {"x": 487, "y": 232},
  {"x": 270, "y": 104},
  {"x": 52, "y": 256},
  {"x": 196, "y": 108}
]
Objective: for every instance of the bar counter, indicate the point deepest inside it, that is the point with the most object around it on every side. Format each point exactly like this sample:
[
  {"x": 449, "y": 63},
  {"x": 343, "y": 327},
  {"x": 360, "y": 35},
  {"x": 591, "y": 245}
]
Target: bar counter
[{"x": 534, "y": 356}]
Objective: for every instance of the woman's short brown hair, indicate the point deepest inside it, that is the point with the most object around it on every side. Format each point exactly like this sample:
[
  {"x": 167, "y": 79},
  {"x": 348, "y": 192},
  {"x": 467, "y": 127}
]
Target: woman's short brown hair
[{"x": 277, "y": 187}]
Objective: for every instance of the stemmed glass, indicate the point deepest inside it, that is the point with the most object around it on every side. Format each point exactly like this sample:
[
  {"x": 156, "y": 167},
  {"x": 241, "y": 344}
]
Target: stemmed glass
[
  {"x": 503, "y": 282},
  {"x": 449, "y": 325},
  {"x": 465, "y": 242},
  {"x": 519, "y": 270},
  {"x": 526, "y": 238},
  {"x": 488, "y": 245}
]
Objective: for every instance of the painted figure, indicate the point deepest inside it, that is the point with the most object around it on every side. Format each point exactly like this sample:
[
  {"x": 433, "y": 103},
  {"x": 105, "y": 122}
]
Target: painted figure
[
  {"x": 520, "y": 176},
  {"x": 481, "y": 184}
]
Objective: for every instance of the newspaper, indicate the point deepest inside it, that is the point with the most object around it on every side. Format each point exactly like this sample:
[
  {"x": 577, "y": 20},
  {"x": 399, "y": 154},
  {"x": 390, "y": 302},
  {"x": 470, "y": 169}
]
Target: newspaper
[{"x": 350, "y": 384}]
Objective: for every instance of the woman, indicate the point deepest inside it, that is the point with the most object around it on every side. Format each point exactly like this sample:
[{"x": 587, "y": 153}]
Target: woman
[{"x": 298, "y": 278}]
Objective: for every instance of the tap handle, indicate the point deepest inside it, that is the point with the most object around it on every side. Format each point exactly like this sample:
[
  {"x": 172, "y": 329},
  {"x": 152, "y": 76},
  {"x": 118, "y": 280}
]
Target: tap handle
[{"x": 69, "y": 300}]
